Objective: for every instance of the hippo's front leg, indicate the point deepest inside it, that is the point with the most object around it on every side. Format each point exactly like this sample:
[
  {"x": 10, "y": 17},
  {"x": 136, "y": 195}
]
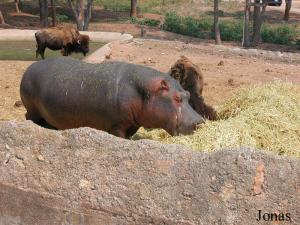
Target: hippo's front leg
[
  {"x": 124, "y": 132},
  {"x": 131, "y": 131},
  {"x": 119, "y": 132}
]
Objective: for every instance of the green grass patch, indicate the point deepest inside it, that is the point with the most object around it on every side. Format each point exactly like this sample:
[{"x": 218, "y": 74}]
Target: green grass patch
[
  {"x": 62, "y": 18},
  {"x": 145, "y": 21},
  {"x": 283, "y": 34},
  {"x": 114, "y": 5},
  {"x": 142, "y": 6},
  {"x": 231, "y": 30},
  {"x": 187, "y": 25},
  {"x": 25, "y": 50}
]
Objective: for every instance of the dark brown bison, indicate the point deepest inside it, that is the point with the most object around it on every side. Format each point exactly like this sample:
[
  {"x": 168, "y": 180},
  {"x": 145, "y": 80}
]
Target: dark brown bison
[
  {"x": 64, "y": 38},
  {"x": 191, "y": 79}
]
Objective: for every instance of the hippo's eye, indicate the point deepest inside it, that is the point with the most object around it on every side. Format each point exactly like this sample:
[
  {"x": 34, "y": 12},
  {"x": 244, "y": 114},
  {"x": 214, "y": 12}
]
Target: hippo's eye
[{"x": 178, "y": 98}]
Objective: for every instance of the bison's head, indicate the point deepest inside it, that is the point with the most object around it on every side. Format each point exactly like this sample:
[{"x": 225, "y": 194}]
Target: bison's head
[
  {"x": 82, "y": 44},
  {"x": 187, "y": 74}
]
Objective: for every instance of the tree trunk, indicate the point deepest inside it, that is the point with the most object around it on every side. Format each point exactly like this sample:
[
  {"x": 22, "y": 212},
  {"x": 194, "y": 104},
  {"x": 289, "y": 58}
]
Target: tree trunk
[
  {"x": 80, "y": 16},
  {"x": 87, "y": 14},
  {"x": 256, "y": 14},
  {"x": 288, "y": 6},
  {"x": 246, "y": 38},
  {"x": 133, "y": 11},
  {"x": 216, "y": 23},
  {"x": 17, "y": 6},
  {"x": 53, "y": 13},
  {"x": 81, "y": 13},
  {"x": 256, "y": 19},
  {"x": 78, "y": 13},
  {"x": 256, "y": 36},
  {"x": 2, "y": 21},
  {"x": 43, "y": 13}
]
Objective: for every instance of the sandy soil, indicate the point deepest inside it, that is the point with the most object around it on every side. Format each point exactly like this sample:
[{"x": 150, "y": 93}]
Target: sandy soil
[
  {"x": 10, "y": 77},
  {"x": 220, "y": 80}
]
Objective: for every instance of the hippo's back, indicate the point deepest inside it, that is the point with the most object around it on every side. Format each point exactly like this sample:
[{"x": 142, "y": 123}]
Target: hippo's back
[{"x": 69, "y": 93}]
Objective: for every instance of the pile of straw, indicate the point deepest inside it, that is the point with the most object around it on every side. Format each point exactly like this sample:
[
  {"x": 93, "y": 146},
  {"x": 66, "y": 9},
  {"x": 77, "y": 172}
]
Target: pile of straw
[{"x": 265, "y": 116}]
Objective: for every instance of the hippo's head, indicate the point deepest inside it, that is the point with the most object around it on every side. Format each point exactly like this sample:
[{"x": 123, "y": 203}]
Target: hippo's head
[{"x": 166, "y": 106}]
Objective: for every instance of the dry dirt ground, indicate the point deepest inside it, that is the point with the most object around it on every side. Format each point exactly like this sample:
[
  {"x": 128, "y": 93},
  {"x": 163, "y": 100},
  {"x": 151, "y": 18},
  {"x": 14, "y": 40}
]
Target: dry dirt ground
[
  {"x": 220, "y": 80},
  {"x": 10, "y": 77}
]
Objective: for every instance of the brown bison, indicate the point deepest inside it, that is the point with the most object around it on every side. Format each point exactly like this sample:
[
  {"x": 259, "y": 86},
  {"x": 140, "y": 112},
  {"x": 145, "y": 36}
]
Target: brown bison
[
  {"x": 191, "y": 79},
  {"x": 64, "y": 38}
]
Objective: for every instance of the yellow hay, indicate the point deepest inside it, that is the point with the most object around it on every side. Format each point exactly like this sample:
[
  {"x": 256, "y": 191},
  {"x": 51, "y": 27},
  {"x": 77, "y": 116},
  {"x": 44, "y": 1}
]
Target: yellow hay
[{"x": 265, "y": 116}]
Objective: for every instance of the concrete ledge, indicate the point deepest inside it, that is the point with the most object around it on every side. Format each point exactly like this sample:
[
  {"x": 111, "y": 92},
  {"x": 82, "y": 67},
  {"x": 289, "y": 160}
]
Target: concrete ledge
[
  {"x": 17, "y": 35},
  {"x": 99, "y": 55},
  {"x": 28, "y": 35},
  {"x": 107, "y": 36}
]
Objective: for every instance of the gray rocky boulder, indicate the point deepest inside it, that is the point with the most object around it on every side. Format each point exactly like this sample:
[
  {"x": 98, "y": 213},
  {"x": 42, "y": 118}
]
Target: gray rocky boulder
[{"x": 84, "y": 176}]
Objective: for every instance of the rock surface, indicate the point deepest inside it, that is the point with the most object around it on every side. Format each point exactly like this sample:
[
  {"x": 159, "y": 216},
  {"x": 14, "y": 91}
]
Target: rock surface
[{"x": 85, "y": 176}]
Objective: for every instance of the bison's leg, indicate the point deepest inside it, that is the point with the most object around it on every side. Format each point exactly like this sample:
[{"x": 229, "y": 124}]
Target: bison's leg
[
  {"x": 38, "y": 51},
  {"x": 42, "y": 52},
  {"x": 64, "y": 51},
  {"x": 37, "y": 54},
  {"x": 209, "y": 112},
  {"x": 198, "y": 104}
]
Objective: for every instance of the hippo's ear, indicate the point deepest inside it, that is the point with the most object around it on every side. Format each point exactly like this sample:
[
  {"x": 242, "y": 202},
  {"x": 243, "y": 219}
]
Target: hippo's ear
[
  {"x": 154, "y": 87},
  {"x": 164, "y": 85}
]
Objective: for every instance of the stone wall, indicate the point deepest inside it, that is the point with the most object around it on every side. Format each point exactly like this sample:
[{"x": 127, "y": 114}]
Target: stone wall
[{"x": 84, "y": 176}]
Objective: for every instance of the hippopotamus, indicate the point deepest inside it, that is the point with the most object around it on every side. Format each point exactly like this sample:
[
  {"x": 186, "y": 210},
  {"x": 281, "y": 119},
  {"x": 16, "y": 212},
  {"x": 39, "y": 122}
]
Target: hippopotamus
[{"x": 117, "y": 97}]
